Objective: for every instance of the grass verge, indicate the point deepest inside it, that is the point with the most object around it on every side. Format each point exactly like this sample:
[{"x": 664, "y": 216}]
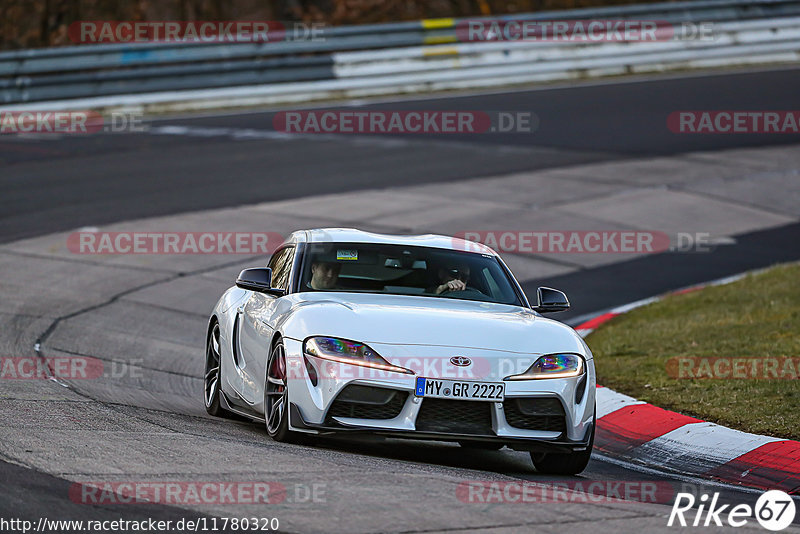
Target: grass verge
[{"x": 713, "y": 353}]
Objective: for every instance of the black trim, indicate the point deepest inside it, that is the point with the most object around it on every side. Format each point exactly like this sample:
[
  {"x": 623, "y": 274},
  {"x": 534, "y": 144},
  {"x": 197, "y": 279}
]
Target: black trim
[
  {"x": 521, "y": 444},
  {"x": 367, "y": 402},
  {"x": 523, "y": 298},
  {"x": 239, "y": 409},
  {"x": 580, "y": 389},
  {"x": 297, "y": 268},
  {"x": 541, "y": 297},
  {"x": 443, "y": 416},
  {"x": 235, "y": 341},
  {"x": 535, "y": 413}
]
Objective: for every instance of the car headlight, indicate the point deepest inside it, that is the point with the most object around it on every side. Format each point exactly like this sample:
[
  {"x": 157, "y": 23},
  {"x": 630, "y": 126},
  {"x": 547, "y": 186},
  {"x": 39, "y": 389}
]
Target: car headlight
[
  {"x": 352, "y": 352},
  {"x": 552, "y": 366}
]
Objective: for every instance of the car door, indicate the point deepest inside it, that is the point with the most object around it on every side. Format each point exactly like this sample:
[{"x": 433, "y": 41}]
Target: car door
[{"x": 256, "y": 328}]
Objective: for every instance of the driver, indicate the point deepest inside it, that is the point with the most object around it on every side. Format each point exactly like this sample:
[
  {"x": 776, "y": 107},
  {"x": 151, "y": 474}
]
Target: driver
[
  {"x": 324, "y": 275},
  {"x": 452, "y": 278}
]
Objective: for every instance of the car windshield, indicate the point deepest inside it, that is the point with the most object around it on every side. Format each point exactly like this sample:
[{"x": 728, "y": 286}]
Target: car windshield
[{"x": 406, "y": 270}]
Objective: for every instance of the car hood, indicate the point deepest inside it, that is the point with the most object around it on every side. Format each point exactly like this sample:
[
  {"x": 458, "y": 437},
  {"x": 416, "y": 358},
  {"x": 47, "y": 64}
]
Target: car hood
[{"x": 411, "y": 320}]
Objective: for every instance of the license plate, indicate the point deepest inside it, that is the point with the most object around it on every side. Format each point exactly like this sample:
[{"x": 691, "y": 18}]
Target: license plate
[{"x": 460, "y": 390}]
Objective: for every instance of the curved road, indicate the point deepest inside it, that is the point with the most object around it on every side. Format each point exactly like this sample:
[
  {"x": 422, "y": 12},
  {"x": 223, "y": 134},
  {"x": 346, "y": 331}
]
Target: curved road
[
  {"x": 52, "y": 184},
  {"x": 144, "y": 317}
]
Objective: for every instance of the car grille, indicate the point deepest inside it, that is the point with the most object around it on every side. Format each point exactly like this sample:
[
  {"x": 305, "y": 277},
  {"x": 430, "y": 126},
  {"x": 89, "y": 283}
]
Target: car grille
[
  {"x": 455, "y": 417},
  {"x": 536, "y": 414},
  {"x": 364, "y": 402}
]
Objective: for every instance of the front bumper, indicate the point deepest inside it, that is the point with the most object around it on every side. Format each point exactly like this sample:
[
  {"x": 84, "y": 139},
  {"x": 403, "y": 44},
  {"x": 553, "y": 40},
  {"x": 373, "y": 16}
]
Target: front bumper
[
  {"x": 516, "y": 443},
  {"x": 312, "y": 407}
]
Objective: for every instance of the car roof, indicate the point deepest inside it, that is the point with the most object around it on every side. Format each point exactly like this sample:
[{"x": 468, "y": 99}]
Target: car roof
[{"x": 353, "y": 235}]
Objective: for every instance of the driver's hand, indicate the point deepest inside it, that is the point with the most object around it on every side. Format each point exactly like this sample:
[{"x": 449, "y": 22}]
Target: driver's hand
[{"x": 452, "y": 285}]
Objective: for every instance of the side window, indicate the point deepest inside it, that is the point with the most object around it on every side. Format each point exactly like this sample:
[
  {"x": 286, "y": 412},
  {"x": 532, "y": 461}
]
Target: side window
[{"x": 281, "y": 265}]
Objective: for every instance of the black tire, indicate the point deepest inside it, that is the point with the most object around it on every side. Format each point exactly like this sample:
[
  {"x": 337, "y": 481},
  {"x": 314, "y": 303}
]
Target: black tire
[
  {"x": 276, "y": 396},
  {"x": 550, "y": 463},
  {"x": 481, "y": 445},
  {"x": 211, "y": 378}
]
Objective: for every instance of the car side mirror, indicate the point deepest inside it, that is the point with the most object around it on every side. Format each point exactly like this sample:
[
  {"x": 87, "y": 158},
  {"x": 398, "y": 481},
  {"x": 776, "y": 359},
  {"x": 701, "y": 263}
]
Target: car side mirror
[
  {"x": 551, "y": 300},
  {"x": 258, "y": 280}
]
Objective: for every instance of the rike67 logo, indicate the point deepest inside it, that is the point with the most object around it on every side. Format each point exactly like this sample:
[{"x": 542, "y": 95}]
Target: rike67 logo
[{"x": 774, "y": 510}]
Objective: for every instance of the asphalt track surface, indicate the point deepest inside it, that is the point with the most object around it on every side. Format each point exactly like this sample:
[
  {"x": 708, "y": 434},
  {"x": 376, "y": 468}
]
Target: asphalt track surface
[
  {"x": 70, "y": 182},
  {"x": 64, "y": 183}
]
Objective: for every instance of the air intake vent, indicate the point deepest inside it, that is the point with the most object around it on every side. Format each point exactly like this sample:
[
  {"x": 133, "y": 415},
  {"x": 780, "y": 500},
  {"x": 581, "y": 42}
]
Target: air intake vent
[
  {"x": 455, "y": 417},
  {"x": 365, "y": 402},
  {"x": 536, "y": 414}
]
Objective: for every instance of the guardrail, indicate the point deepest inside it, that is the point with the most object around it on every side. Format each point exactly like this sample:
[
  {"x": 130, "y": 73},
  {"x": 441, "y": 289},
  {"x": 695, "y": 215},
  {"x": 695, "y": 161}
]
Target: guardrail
[{"x": 395, "y": 57}]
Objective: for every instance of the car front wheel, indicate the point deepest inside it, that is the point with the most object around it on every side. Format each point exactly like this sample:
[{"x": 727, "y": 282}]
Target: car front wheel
[
  {"x": 276, "y": 396},
  {"x": 551, "y": 463}
]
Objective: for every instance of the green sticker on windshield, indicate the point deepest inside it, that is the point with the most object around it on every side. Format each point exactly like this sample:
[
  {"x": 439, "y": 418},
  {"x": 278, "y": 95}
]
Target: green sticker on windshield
[{"x": 347, "y": 255}]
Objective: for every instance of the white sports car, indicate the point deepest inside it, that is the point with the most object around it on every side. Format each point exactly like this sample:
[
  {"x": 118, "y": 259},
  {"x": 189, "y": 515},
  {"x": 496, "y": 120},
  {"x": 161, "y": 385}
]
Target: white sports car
[{"x": 422, "y": 337}]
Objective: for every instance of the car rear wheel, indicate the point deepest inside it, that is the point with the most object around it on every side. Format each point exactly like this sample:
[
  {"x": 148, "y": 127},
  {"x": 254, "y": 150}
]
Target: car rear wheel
[
  {"x": 276, "y": 396},
  {"x": 550, "y": 463},
  {"x": 211, "y": 379}
]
